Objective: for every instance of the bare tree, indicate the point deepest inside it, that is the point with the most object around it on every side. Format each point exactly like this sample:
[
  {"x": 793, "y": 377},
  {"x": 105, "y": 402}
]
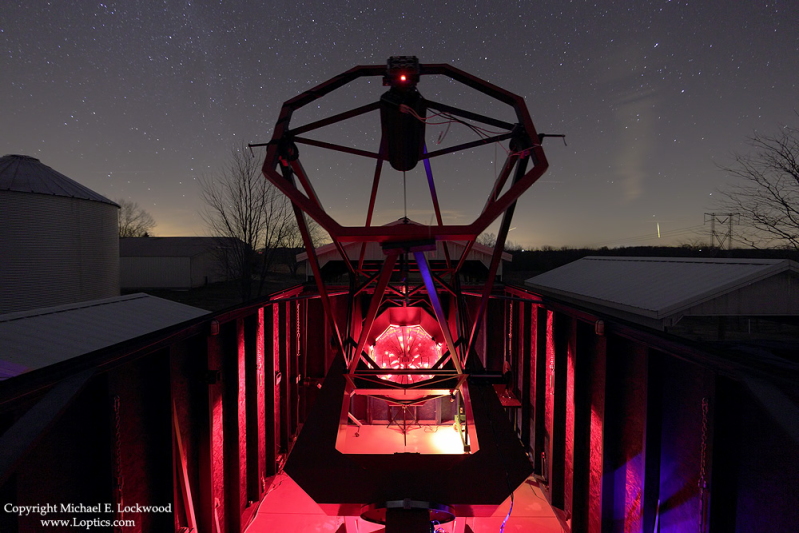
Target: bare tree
[
  {"x": 133, "y": 220},
  {"x": 766, "y": 193},
  {"x": 294, "y": 243},
  {"x": 695, "y": 243},
  {"x": 251, "y": 217},
  {"x": 487, "y": 239},
  {"x": 490, "y": 240}
]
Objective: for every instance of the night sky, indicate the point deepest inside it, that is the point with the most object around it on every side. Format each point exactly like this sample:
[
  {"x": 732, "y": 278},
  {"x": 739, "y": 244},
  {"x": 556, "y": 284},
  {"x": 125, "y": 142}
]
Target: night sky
[{"x": 137, "y": 99}]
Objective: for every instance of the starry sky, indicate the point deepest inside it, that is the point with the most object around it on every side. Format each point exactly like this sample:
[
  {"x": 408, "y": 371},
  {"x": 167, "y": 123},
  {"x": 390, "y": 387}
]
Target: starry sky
[{"x": 137, "y": 99}]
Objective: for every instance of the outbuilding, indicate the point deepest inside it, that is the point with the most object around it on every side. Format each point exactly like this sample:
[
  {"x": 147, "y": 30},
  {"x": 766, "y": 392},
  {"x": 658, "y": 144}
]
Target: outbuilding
[
  {"x": 58, "y": 239},
  {"x": 700, "y": 298},
  {"x": 171, "y": 262}
]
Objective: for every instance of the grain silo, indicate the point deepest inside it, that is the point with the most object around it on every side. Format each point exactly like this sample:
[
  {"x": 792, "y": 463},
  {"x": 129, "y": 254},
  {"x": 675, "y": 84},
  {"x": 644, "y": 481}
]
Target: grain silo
[{"x": 58, "y": 239}]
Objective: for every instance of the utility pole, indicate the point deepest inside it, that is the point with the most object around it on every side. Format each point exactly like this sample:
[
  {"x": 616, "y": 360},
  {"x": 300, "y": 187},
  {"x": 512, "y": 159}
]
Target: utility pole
[{"x": 717, "y": 238}]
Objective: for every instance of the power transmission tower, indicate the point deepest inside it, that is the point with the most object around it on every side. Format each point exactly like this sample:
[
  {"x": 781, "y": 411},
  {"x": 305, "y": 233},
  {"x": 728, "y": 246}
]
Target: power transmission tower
[{"x": 719, "y": 238}]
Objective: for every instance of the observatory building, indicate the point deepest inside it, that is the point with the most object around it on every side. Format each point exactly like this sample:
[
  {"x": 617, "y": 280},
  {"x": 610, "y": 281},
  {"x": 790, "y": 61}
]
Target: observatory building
[{"x": 398, "y": 391}]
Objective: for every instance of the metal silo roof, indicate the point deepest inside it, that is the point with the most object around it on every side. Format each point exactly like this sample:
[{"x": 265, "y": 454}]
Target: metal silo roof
[{"x": 22, "y": 173}]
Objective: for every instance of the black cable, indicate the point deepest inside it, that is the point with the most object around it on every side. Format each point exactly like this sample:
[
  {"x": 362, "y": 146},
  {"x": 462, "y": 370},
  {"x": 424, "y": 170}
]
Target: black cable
[{"x": 405, "y": 196}]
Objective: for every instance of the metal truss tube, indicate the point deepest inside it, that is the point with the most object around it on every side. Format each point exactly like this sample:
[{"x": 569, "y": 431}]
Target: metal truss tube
[
  {"x": 317, "y": 272},
  {"x": 496, "y": 258},
  {"x": 374, "y": 306},
  {"x": 432, "y": 293},
  {"x": 337, "y": 147},
  {"x": 469, "y": 115},
  {"x": 336, "y": 118},
  {"x": 472, "y": 144},
  {"x": 436, "y": 207}
]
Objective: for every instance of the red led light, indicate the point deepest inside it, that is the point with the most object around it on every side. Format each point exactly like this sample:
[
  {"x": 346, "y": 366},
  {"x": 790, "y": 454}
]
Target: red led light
[
  {"x": 403, "y": 77},
  {"x": 401, "y": 348}
]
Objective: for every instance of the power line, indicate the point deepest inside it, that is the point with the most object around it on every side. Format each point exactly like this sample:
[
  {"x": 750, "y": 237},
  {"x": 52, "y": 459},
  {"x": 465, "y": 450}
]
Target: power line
[
  {"x": 626, "y": 240},
  {"x": 723, "y": 219}
]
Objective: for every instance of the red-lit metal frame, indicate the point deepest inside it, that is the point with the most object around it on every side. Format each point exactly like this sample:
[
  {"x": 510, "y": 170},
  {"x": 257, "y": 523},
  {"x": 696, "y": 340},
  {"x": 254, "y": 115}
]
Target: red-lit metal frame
[
  {"x": 284, "y": 169},
  {"x": 307, "y": 201}
]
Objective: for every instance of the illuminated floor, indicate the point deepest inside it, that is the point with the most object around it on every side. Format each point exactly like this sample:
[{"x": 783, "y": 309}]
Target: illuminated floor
[
  {"x": 428, "y": 439},
  {"x": 288, "y": 509}
]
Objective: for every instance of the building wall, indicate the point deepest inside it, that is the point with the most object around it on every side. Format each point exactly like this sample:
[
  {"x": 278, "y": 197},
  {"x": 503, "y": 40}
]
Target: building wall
[
  {"x": 197, "y": 421},
  {"x": 630, "y": 431},
  {"x": 773, "y": 296},
  {"x": 56, "y": 250},
  {"x": 170, "y": 272},
  {"x": 155, "y": 272},
  {"x": 634, "y": 432},
  {"x": 205, "y": 269}
]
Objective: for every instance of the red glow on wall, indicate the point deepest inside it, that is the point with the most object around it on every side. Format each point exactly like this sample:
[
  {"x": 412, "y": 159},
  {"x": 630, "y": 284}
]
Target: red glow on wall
[
  {"x": 405, "y": 348},
  {"x": 549, "y": 387}
]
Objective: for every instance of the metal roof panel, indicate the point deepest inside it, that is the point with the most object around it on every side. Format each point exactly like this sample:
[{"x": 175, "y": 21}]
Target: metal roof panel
[
  {"x": 654, "y": 286},
  {"x": 41, "y": 337}
]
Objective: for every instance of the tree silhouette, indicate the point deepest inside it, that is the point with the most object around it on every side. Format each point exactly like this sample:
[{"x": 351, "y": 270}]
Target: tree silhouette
[
  {"x": 251, "y": 217},
  {"x": 765, "y": 194},
  {"x": 133, "y": 220}
]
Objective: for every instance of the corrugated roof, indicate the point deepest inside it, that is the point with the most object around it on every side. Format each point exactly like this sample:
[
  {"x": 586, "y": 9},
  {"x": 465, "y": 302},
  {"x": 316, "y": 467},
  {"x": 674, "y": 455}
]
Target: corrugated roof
[
  {"x": 42, "y": 337},
  {"x": 168, "y": 246},
  {"x": 22, "y": 173},
  {"x": 654, "y": 286}
]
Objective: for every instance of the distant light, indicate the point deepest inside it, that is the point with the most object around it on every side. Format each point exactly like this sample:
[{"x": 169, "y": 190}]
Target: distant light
[{"x": 403, "y": 77}]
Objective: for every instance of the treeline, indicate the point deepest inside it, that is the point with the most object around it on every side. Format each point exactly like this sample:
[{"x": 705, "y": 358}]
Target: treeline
[{"x": 547, "y": 257}]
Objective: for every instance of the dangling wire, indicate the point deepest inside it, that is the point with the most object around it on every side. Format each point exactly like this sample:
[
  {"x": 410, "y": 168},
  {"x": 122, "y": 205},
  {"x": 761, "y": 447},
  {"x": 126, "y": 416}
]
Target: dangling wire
[
  {"x": 482, "y": 132},
  {"x": 404, "y": 196},
  {"x": 496, "y": 174}
]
